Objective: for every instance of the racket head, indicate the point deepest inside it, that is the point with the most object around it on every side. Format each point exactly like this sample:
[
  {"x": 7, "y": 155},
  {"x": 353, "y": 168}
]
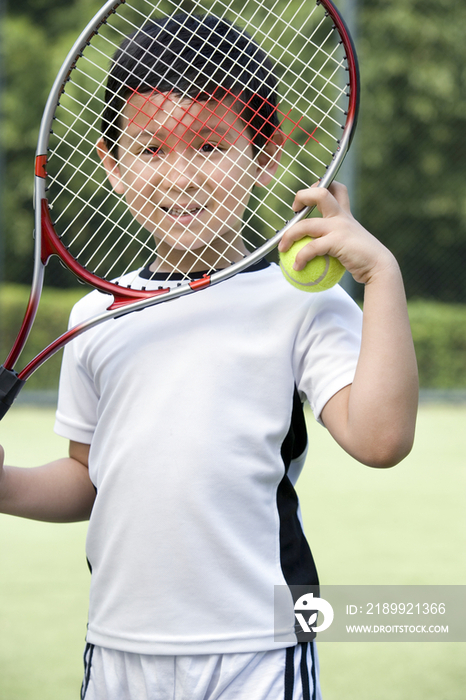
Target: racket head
[{"x": 83, "y": 218}]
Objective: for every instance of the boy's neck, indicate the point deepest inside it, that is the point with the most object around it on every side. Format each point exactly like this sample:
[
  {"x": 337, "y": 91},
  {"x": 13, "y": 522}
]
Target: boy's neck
[{"x": 221, "y": 253}]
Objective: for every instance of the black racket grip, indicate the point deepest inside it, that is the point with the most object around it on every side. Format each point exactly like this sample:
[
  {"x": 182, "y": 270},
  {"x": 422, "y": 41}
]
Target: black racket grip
[{"x": 10, "y": 386}]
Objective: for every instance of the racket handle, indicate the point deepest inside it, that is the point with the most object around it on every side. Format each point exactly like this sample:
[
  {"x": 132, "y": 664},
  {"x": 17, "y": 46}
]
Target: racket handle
[{"x": 10, "y": 386}]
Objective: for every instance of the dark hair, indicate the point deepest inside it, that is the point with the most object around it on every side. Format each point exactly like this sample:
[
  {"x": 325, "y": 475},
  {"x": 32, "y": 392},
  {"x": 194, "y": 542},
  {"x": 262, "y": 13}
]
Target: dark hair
[{"x": 194, "y": 55}]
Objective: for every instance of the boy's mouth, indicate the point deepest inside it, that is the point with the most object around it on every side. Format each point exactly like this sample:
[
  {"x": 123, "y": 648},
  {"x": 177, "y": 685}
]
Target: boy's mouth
[{"x": 178, "y": 212}]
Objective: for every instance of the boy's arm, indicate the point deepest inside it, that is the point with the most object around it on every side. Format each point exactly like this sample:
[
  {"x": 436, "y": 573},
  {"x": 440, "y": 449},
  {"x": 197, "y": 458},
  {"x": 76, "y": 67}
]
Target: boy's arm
[
  {"x": 59, "y": 491},
  {"x": 374, "y": 418}
]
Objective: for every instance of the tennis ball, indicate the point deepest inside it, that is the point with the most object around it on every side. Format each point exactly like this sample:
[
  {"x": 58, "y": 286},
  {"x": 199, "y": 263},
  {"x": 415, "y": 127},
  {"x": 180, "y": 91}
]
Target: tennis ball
[{"x": 321, "y": 273}]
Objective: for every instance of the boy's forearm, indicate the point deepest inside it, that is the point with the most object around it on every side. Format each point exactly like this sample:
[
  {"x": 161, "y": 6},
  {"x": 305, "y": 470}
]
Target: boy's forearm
[
  {"x": 60, "y": 491},
  {"x": 381, "y": 404}
]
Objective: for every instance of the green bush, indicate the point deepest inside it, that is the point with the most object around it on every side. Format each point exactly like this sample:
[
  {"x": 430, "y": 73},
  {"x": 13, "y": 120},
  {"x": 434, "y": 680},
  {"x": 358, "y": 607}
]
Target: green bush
[
  {"x": 51, "y": 321},
  {"x": 439, "y": 332}
]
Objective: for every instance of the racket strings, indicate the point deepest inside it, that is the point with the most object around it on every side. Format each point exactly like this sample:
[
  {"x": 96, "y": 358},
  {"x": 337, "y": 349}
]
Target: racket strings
[
  {"x": 184, "y": 194},
  {"x": 117, "y": 247},
  {"x": 321, "y": 92},
  {"x": 112, "y": 213}
]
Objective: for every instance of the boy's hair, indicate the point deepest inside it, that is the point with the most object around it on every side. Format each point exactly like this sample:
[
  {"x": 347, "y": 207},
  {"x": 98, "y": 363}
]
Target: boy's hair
[{"x": 198, "y": 57}]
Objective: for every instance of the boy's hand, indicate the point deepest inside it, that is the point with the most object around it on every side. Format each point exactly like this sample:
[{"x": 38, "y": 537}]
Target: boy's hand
[{"x": 337, "y": 234}]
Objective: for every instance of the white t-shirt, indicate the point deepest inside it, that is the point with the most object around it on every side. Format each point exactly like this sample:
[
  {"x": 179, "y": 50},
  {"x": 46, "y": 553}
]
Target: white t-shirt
[{"x": 187, "y": 406}]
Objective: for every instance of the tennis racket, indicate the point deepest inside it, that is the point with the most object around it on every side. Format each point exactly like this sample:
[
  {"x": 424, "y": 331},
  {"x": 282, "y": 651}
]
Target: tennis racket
[{"x": 180, "y": 149}]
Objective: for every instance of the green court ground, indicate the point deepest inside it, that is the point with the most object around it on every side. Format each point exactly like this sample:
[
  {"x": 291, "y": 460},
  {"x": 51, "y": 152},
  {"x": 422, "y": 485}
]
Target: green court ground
[{"x": 405, "y": 525}]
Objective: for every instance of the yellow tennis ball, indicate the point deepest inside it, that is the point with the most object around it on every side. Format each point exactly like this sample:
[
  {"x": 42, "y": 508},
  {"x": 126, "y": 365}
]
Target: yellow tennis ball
[{"x": 319, "y": 274}]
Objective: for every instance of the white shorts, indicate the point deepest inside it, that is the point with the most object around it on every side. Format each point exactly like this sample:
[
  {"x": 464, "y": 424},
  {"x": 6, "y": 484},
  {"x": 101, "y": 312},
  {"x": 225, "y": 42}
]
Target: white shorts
[{"x": 282, "y": 674}]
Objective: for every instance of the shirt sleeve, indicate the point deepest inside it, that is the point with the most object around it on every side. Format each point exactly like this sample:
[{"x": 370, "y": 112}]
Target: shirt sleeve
[{"x": 327, "y": 348}]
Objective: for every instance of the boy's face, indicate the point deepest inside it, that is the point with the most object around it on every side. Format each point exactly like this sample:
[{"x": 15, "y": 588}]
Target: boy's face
[{"x": 186, "y": 169}]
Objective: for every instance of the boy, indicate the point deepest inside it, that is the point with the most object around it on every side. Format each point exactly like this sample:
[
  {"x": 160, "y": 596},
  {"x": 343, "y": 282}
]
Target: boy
[{"x": 185, "y": 421}]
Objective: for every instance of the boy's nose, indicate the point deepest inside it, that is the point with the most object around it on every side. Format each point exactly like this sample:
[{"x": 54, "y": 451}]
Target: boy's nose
[{"x": 181, "y": 170}]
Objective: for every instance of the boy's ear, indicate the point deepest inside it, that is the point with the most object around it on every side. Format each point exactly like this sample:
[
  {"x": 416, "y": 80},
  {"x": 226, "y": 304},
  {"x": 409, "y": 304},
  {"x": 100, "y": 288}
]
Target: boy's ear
[
  {"x": 268, "y": 159},
  {"x": 111, "y": 166}
]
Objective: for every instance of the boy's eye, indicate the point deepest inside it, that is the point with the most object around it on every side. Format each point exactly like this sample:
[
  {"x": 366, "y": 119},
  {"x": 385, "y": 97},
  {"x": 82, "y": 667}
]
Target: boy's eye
[
  {"x": 152, "y": 151},
  {"x": 210, "y": 147}
]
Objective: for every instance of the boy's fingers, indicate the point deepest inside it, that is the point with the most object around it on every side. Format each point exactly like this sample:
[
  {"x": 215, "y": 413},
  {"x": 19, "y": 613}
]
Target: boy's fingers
[
  {"x": 314, "y": 227},
  {"x": 331, "y": 203},
  {"x": 307, "y": 253},
  {"x": 340, "y": 192},
  {"x": 328, "y": 201}
]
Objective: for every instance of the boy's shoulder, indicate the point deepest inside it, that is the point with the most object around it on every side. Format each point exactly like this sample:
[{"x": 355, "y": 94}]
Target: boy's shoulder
[{"x": 89, "y": 305}]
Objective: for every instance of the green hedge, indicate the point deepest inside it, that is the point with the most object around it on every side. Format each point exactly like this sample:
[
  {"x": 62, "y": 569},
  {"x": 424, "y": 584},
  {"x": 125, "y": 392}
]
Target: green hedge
[
  {"x": 51, "y": 321},
  {"x": 439, "y": 332}
]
